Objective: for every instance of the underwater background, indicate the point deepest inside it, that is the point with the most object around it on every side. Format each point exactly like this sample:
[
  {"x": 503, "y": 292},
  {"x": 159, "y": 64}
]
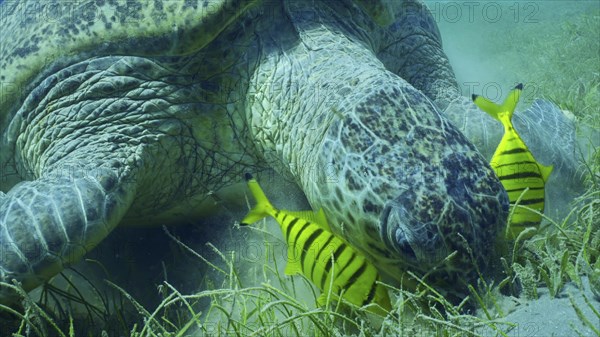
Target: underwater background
[{"x": 211, "y": 278}]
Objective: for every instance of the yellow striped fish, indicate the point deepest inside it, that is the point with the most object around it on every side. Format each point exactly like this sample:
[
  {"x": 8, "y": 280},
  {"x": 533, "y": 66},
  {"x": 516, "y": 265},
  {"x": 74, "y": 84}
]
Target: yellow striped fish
[
  {"x": 515, "y": 166},
  {"x": 311, "y": 247}
]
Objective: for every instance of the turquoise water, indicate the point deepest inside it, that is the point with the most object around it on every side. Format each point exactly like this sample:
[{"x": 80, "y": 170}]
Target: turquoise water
[{"x": 492, "y": 46}]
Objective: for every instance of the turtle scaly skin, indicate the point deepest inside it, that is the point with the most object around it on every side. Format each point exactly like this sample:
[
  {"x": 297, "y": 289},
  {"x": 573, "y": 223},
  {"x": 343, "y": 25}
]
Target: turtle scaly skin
[
  {"x": 136, "y": 121},
  {"x": 95, "y": 139},
  {"x": 397, "y": 180}
]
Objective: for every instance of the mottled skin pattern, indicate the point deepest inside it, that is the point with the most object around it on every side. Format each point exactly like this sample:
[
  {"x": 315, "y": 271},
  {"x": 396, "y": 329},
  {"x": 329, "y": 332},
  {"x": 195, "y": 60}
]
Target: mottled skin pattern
[
  {"x": 396, "y": 179},
  {"x": 117, "y": 127},
  {"x": 95, "y": 140}
]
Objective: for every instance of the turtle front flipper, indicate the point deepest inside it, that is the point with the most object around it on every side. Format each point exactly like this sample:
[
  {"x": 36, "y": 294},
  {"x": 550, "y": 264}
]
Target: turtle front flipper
[
  {"x": 49, "y": 223},
  {"x": 97, "y": 143}
]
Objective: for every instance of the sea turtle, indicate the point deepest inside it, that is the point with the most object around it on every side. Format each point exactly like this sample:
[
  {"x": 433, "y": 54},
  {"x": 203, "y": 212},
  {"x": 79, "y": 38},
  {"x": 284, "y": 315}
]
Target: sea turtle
[{"x": 132, "y": 112}]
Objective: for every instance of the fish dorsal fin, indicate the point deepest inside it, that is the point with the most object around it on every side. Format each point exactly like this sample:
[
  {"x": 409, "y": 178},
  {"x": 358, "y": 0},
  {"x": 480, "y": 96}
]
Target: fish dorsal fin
[
  {"x": 322, "y": 219},
  {"x": 545, "y": 170},
  {"x": 318, "y": 218}
]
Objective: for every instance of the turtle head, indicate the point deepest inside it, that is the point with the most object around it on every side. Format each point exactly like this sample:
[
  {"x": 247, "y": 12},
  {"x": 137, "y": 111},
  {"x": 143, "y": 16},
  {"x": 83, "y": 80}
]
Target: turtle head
[
  {"x": 448, "y": 221},
  {"x": 405, "y": 186}
]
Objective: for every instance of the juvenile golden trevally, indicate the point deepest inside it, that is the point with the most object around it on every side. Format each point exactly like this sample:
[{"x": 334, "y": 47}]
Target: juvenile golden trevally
[
  {"x": 311, "y": 247},
  {"x": 515, "y": 166}
]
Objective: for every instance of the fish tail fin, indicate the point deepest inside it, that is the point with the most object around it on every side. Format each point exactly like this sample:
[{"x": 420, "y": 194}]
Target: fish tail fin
[
  {"x": 263, "y": 206},
  {"x": 510, "y": 103},
  {"x": 496, "y": 110},
  {"x": 488, "y": 106}
]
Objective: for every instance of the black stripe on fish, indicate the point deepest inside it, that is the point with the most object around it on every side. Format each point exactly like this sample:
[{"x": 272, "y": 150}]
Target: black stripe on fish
[
  {"x": 307, "y": 245},
  {"x": 521, "y": 175},
  {"x": 288, "y": 231},
  {"x": 526, "y": 202},
  {"x": 371, "y": 295},
  {"x": 356, "y": 274},
  {"x": 317, "y": 258},
  {"x": 516, "y": 163},
  {"x": 304, "y": 226},
  {"x": 513, "y": 151},
  {"x": 525, "y": 224},
  {"x": 343, "y": 268},
  {"x": 336, "y": 254},
  {"x": 523, "y": 189}
]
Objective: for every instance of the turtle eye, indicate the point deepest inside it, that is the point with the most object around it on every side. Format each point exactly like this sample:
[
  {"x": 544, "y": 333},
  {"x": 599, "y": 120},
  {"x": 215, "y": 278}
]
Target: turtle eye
[
  {"x": 403, "y": 244},
  {"x": 392, "y": 226}
]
